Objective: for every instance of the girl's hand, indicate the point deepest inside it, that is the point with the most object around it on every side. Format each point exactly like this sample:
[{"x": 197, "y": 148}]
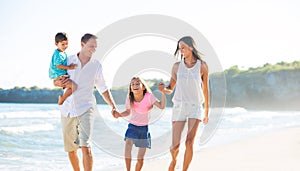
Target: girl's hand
[{"x": 161, "y": 87}]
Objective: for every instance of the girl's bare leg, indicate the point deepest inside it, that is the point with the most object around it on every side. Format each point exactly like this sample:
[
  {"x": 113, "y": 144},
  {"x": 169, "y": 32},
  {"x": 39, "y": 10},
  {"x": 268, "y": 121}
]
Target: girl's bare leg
[
  {"x": 128, "y": 148},
  {"x": 140, "y": 159}
]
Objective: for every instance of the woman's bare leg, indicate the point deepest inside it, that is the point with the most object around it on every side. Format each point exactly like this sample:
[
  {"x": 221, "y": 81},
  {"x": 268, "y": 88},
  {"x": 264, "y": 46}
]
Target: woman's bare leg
[
  {"x": 189, "y": 142},
  {"x": 177, "y": 128}
]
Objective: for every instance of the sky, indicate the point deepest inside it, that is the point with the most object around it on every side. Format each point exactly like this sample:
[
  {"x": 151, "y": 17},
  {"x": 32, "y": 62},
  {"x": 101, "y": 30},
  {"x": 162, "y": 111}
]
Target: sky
[{"x": 247, "y": 33}]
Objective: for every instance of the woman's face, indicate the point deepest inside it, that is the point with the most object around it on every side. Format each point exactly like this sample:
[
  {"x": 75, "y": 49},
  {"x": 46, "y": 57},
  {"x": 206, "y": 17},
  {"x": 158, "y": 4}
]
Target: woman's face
[{"x": 185, "y": 50}]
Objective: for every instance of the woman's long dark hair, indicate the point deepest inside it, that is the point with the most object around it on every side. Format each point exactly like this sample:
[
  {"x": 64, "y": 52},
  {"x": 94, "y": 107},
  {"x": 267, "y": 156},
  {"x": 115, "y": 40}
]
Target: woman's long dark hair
[{"x": 191, "y": 43}]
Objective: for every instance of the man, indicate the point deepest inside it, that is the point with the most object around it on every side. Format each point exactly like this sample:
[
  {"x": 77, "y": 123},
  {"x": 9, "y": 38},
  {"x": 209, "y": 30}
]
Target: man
[{"x": 77, "y": 111}]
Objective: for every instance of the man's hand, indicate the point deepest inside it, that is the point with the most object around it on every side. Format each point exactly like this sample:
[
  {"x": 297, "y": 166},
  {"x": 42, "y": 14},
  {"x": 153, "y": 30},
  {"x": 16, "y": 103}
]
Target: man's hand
[{"x": 62, "y": 81}]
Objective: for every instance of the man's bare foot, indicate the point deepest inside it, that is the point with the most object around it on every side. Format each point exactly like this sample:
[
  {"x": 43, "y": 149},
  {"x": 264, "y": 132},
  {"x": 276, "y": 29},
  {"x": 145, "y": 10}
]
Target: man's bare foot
[{"x": 60, "y": 100}]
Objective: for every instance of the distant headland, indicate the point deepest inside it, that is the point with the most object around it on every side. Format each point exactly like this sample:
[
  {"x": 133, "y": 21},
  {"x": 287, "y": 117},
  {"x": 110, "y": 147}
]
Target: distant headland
[{"x": 270, "y": 87}]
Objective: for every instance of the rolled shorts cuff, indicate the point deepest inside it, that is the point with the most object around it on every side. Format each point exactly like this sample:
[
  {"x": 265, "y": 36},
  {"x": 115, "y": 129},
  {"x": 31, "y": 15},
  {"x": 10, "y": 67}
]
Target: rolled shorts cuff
[{"x": 184, "y": 111}]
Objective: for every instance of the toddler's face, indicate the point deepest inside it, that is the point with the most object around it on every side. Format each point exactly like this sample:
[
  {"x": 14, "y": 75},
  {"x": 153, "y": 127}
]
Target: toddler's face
[{"x": 62, "y": 46}]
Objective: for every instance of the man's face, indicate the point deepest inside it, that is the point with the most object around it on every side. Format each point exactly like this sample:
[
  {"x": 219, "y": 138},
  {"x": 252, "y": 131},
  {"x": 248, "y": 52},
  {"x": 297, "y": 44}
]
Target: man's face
[{"x": 89, "y": 47}]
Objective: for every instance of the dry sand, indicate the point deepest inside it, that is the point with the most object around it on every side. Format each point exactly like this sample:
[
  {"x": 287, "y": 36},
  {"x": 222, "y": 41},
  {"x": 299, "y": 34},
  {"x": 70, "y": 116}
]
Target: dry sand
[{"x": 279, "y": 151}]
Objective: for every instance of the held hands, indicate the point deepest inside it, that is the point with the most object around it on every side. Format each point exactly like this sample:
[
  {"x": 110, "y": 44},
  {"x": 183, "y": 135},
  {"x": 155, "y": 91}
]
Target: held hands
[
  {"x": 115, "y": 113},
  {"x": 161, "y": 87}
]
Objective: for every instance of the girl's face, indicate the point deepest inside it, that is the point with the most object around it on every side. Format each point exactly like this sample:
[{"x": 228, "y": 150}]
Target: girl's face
[
  {"x": 136, "y": 86},
  {"x": 185, "y": 50},
  {"x": 62, "y": 46}
]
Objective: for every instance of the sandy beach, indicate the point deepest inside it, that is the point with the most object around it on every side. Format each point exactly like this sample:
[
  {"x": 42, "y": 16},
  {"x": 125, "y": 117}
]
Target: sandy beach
[{"x": 276, "y": 151}]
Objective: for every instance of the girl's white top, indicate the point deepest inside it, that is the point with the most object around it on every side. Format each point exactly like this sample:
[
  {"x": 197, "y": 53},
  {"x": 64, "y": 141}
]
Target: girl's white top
[{"x": 188, "y": 85}]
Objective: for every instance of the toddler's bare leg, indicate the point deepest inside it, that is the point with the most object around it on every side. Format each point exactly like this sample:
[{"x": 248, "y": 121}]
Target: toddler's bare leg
[{"x": 71, "y": 87}]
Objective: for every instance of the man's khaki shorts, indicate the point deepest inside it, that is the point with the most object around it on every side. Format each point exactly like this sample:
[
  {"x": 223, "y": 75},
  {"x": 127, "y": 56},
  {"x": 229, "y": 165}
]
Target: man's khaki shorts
[{"x": 77, "y": 131}]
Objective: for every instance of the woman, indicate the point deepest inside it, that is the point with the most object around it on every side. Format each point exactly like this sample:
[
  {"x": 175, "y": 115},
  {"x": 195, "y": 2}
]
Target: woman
[{"x": 190, "y": 76}]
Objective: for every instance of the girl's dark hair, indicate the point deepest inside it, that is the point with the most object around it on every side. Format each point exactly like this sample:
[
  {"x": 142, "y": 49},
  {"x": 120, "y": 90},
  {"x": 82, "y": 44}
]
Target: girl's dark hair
[
  {"x": 130, "y": 93},
  {"x": 190, "y": 42},
  {"x": 61, "y": 36},
  {"x": 85, "y": 38}
]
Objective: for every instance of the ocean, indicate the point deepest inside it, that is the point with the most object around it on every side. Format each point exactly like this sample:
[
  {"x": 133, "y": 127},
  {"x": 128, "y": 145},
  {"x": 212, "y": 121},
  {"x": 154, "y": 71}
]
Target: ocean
[{"x": 31, "y": 137}]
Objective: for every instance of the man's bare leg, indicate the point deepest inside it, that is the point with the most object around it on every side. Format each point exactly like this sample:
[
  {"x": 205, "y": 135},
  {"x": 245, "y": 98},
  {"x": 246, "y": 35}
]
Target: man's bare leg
[
  {"x": 87, "y": 158},
  {"x": 73, "y": 157}
]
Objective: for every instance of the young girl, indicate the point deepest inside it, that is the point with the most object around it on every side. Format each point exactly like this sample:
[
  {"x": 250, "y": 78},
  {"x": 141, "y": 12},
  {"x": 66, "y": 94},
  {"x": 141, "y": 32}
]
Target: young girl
[{"x": 139, "y": 103}]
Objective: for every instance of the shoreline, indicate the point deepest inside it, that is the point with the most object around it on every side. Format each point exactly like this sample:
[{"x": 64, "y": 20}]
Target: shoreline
[
  {"x": 248, "y": 108},
  {"x": 276, "y": 151}
]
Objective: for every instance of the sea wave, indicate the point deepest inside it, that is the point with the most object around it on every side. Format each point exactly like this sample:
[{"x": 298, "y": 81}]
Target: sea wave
[
  {"x": 31, "y": 114},
  {"x": 234, "y": 111},
  {"x": 13, "y": 130}
]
